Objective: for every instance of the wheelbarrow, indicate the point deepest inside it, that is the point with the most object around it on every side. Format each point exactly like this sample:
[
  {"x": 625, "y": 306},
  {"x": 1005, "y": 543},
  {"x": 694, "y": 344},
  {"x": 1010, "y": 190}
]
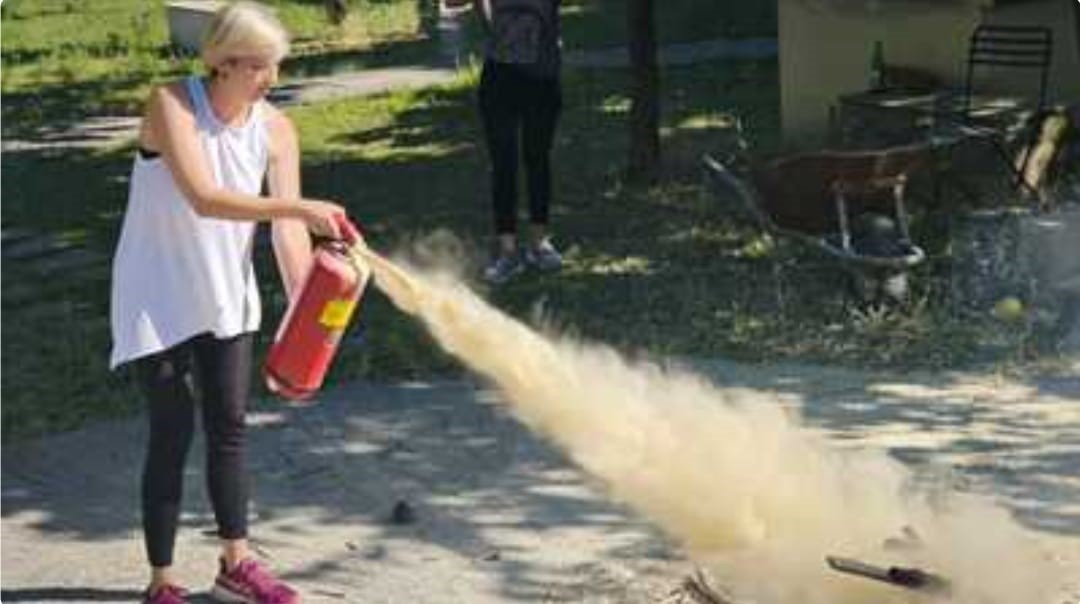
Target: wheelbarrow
[{"x": 847, "y": 205}]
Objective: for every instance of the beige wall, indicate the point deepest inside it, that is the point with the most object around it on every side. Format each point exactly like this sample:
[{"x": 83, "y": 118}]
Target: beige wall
[{"x": 825, "y": 53}]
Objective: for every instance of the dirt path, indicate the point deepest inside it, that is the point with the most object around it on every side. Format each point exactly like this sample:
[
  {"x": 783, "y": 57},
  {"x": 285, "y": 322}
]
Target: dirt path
[{"x": 497, "y": 516}]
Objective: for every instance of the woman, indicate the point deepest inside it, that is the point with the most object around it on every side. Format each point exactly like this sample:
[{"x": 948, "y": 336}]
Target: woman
[
  {"x": 185, "y": 304},
  {"x": 520, "y": 102}
]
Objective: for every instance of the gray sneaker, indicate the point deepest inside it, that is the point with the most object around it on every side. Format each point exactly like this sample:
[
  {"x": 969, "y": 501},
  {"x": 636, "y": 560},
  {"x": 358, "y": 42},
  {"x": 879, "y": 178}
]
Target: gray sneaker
[
  {"x": 544, "y": 257},
  {"x": 503, "y": 268}
]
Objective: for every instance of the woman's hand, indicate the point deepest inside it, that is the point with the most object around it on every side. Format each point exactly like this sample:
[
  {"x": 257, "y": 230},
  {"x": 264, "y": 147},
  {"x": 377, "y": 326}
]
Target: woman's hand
[{"x": 322, "y": 218}]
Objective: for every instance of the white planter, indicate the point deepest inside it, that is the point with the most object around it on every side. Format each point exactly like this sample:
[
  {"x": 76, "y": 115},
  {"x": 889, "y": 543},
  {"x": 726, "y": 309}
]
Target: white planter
[{"x": 188, "y": 19}]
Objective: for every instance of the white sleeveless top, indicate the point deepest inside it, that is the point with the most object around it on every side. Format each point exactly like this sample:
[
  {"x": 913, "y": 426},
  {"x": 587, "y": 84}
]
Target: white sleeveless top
[{"x": 177, "y": 274}]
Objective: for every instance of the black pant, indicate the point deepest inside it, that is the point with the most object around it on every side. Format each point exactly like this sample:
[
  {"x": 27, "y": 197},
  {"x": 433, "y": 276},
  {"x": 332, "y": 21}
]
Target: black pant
[
  {"x": 216, "y": 373},
  {"x": 513, "y": 101}
]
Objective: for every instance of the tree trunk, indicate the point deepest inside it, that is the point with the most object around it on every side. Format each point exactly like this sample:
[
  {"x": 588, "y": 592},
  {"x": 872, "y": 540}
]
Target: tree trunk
[
  {"x": 645, "y": 93},
  {"x": 336, "y": 10},
  {"x": 1076, "y": 15}
]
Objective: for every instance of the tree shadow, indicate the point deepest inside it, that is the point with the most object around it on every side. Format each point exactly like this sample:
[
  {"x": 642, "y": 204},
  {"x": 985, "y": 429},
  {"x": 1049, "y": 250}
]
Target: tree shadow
[
  {"x": 58, "y": 106},
  {"x": 411, "y": 52},
  {"x": 69, "y": 594},
  {"x": 85, "y": 594},
  {"x": 88, "y": 198},
  {"x": 331, "y": 474}
]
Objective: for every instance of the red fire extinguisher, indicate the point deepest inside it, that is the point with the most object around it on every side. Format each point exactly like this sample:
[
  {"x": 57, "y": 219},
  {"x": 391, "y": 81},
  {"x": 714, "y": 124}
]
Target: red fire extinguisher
[{"x": 311, "y": 329}]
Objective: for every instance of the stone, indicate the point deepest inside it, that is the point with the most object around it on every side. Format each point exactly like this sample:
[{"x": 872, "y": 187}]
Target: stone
[{"x": 402, "y": 513}]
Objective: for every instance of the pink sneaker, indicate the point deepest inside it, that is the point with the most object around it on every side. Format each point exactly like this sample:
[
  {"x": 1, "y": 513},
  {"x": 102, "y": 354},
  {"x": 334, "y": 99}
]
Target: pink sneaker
[
  {"x": 166, "y": 594},
  {"x": 251, "y": 583}
]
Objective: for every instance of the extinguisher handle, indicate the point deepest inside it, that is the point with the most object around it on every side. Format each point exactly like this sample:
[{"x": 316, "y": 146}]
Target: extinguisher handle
[{"x": 349, "y": 232}]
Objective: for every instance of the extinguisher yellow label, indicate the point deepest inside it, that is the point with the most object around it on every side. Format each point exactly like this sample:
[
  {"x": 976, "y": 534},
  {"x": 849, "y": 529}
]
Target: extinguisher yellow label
[{"x": 336, "y": 313}]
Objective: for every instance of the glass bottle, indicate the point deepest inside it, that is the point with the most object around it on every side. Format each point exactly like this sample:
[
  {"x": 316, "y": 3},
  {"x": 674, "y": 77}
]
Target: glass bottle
[{"x": 877, "y": 67}]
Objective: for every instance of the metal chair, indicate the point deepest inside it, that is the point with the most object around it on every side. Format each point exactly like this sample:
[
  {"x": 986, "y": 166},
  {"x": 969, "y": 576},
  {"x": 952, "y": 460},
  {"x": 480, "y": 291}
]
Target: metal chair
[{"x": 1014, "y": 47}]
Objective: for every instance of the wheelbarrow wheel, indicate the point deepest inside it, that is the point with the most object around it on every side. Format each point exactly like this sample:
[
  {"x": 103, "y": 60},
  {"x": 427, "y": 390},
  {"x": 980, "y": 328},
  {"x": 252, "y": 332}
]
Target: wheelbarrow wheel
[
  {"x": 895, "y": 287},
  {"x": 875, "y": 286},
  {"x": 863, "y": 286}
]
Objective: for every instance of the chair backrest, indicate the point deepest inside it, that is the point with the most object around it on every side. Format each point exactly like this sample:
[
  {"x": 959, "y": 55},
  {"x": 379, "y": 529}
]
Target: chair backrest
[{"x": 1012, "y": 46}]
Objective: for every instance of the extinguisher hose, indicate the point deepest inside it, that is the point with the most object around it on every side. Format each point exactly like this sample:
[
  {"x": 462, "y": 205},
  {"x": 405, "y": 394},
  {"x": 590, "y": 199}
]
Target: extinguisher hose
[
  {"x": 349, "y": 231},
  {"x": 353, "y": 240},
  {"x": 391, "y": 279}
]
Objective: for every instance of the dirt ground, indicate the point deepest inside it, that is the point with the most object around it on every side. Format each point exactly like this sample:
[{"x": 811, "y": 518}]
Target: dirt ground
[{"x": 485, "y": 511}]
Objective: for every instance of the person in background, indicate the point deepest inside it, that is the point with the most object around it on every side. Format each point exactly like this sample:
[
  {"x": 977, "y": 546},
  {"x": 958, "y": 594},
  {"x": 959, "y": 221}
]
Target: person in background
[
  {"x": 185, "y": 304},
  {"x": 520, "y": 101}
]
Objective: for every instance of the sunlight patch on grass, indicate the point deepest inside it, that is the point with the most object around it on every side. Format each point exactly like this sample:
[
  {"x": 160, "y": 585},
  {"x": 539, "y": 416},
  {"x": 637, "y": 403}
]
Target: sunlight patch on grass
[
  {"x": 573, "y": 9},
  {"x": 387, "y": 150},
  {"x": 77, "y": 236},
  {"x": 365, "y": 24},
  {"x": 385, "y": 128},
  {"x": 706, "y": 121},
  {"x": 700, "y": 234},
  {"x": 616, "y": 105},
  {"x": 605, "y": 264},
  {"x": 761, "y": 246}
]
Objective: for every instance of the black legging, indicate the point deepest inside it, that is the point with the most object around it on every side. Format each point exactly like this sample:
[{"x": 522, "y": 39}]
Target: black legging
[
  {"x": 513, "y": 100},
  {"x": 216, "y": 372}
]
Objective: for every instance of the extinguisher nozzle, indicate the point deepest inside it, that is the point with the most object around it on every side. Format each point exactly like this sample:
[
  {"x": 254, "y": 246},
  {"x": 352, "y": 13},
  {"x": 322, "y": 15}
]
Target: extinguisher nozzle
[{"x": 349, "y": 231}]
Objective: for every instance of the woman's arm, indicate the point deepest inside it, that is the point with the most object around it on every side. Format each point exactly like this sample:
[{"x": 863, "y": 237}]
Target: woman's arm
[
  {"x": 173, "y": 133},
  {"x": 292, "y": 244}
]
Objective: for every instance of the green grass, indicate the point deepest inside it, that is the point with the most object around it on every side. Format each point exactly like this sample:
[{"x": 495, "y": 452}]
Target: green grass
[
  {"x": 55, "y": 323},
  {"x": 662, "y": 270},
  {"x": 683, "y": 284},
  {"x": 593, "y": 24},
  {"x": 66, "y": 59},
  {"x": 368, "y": 22}
]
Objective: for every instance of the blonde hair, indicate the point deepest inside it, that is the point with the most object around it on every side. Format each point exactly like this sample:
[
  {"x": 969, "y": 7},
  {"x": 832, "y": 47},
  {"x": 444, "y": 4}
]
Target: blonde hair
[{"x": 244, "y": 29}]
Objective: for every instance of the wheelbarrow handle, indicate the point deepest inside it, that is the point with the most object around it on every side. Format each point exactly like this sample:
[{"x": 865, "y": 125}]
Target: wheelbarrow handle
[{"x": 719, "y": 174}]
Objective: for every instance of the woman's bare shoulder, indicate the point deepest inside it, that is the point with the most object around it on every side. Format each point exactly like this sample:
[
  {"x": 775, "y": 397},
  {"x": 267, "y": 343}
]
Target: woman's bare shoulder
[
  {"x": 168, "y": 105},
  {"x": 171, "y": 95},
  {"x": 277, "y": 122},
  {"x": 274, "y": 115}
]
